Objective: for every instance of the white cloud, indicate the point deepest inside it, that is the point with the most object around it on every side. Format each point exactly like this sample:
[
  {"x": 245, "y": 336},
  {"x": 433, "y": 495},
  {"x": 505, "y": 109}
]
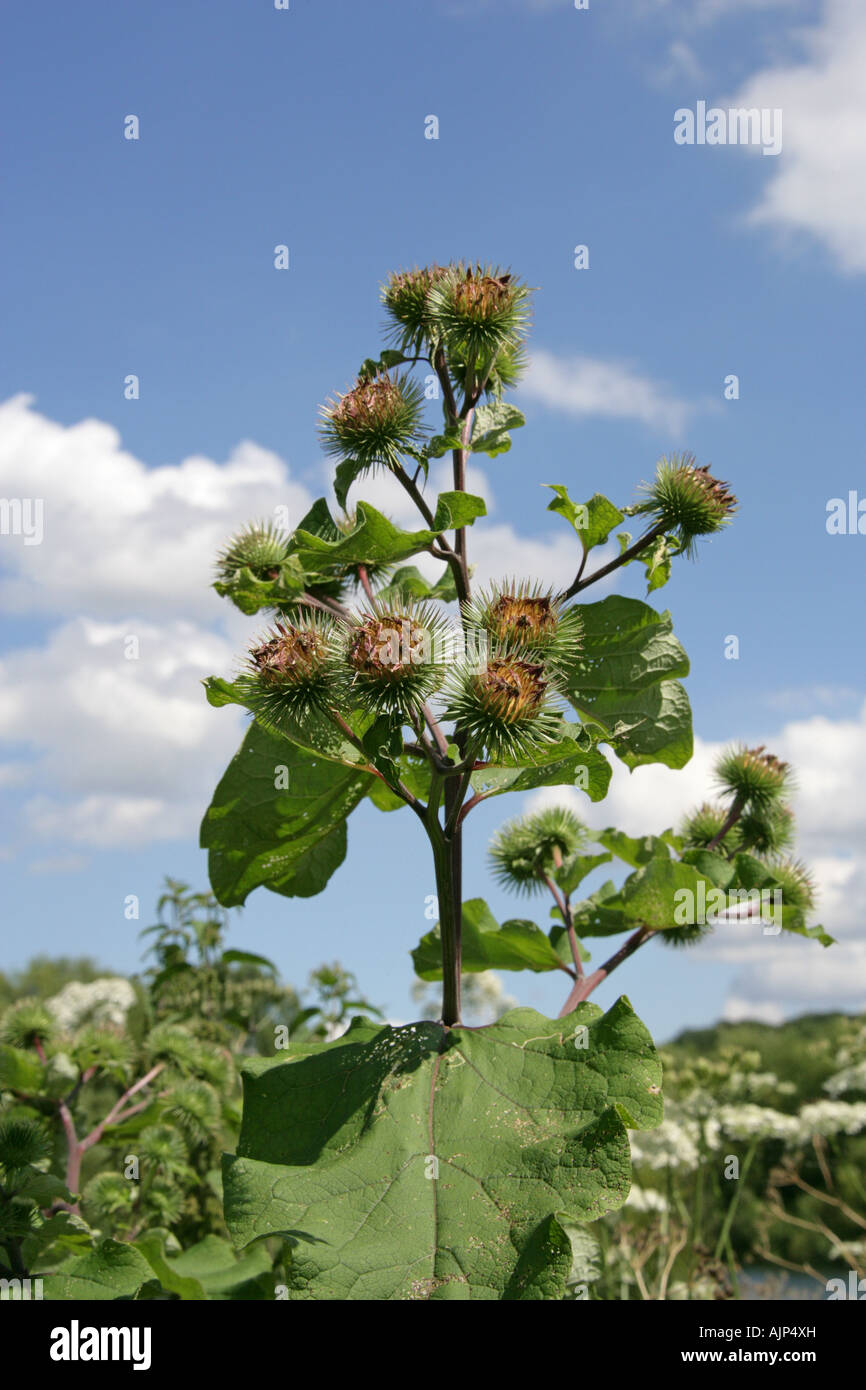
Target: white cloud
[
  {"x": 58, "y": 864},
  {"x": 682, "y": 64},
  {"x": 818, "y": 183},
  {"x": 784, "y": 971},
  {"x": 120, "y": 538},
  {"x": 585, "y": 386},
  {"x": 123, "y": 751},
  {"x": 737, "y": 1010}
]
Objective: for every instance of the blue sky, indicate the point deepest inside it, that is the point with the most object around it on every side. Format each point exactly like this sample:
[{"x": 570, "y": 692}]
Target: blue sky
[{"x": 155, "y": 257}]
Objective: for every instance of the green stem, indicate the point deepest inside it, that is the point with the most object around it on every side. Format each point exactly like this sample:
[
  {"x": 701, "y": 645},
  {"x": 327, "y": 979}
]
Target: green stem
[
  {"x": 729, "y": 822},
  {"x": 447, "y": 859},
  {"x": 724, "y": 1234},
  {"x": 634, "y": 550}
]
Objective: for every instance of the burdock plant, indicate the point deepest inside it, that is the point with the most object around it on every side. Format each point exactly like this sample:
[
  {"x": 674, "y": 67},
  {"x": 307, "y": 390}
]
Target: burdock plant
[{"x": 406, "y": 1162}]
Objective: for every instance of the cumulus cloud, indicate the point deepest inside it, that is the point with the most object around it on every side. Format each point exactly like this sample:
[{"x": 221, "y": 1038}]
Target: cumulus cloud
[
  {"x": 818, "y": 184},
  {"x": 586, "y": 386},
  {"x": 123, "y": 751},
  {"x": 119, "y": 537}
]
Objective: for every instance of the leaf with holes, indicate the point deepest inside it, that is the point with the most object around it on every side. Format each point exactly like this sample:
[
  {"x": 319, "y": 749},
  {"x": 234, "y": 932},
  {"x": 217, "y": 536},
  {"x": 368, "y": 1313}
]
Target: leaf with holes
[{"x": 429, "y": 1163}]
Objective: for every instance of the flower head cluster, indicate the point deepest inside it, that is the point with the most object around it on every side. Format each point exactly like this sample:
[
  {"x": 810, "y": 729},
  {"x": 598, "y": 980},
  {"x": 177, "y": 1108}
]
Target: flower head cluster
[
  {"x": 98, "y": 1003},
  {"x": 374, "y": 423},
  {"x": 509, "y": 704},
  {"x": 478, "y": 312},
  {"x": 526, "y": 617},
  {"x": 390, "y": 658},
  {"x": 259, "y": 547},
  {"x": 527, "y": 848},
  {"x": 759, "y": 783},
  {"x": 687, "y": 500},
  {"x": 22, "y": 1142},
  {"x": 405, "y": 296},
  {"x": 474, "y": 315},
  {"x": 287, "y": 672},
  {"x": 755, "y": 777}
]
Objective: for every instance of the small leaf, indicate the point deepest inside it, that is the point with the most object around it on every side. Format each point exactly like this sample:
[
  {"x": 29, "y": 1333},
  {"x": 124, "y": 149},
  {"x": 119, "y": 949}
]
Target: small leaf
[
  {"x": 657, "y": 559},
  {"x": 409, "y": 582},
  {"x": 376, "y": 540},
  {"x": 516, "y": 945},
  {"x": 151, "y": 1246},
  {"x": 576, "y": 868},
  {"x": 593, "y": 521},
  {"x": 247, "y": 958},
  {"x": 112, "y": 1270},
  {"x": 635, "y": 852},
  {"x": 491, "y": 425},
  {"x": 216, "y": 1266}
]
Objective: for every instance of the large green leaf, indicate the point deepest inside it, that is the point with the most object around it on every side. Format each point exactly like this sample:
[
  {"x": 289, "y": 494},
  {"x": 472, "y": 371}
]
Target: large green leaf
[
  {"x": 626, "y": 646},
  {"x": 20, "y": 1070},
  {"x": 215, "y": 1266},
  {"x": 650, "y": 897},
  {"x": 112, "y": 1270},
  {"x": 576, "y": 868},
  {"x": 291, "y": 840},
  {"x": 516, "y": 945},
  {"x": 316, "y": 734},
  {"x": 375, "y": 540},
  {"x": 652, "y": 894},
  {"x": 660, "y": 720},
  {"x": 625, "y": 677},
  {"x": 431, "y": 1163}
]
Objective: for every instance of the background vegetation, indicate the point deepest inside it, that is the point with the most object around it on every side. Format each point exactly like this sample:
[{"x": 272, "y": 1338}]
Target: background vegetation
[{"x": 117, "y": 1097}]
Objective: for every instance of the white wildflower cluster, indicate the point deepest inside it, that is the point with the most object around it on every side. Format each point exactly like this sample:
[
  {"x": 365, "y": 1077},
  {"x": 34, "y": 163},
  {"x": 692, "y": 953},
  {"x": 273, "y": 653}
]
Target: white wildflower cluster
[
  {"x": 646, "y": 1199},
  {"x": 100, "y": 1002},
  {"x": 673, "y": 1144},
  {"x": 758, "y": 1122},
  {"x": 824, "y": 1117},
  {"x": 704, "y": 1289},
  {"x": 747, "y": 1085},
  {"x": 829, "y": 1117},
  {"x": 841, "y": 1250},
  {"x": 851, "y": 1078}
]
